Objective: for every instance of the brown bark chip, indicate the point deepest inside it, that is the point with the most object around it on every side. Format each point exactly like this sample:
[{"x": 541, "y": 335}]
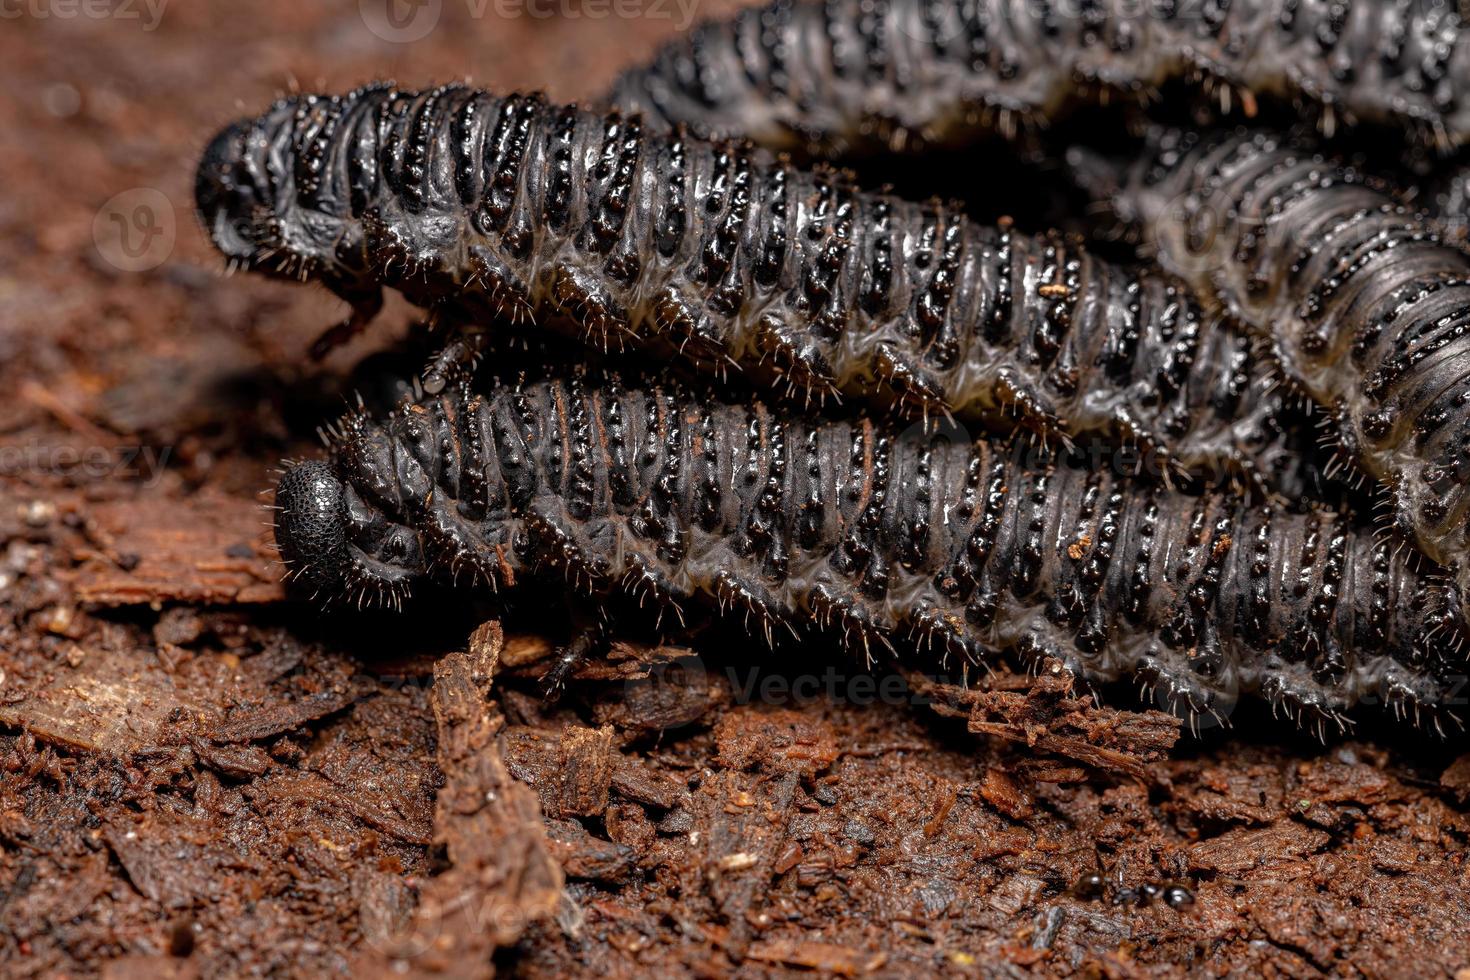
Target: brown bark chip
[
  {"x": 265, "y": 721},
  {"x": 1047, "y": 714},
  {"x": 501, "y": 876},
  {"x": 585, "y": 764},
  {"x": 112, "y": 704},
  {"x": 156, "y": 549}
]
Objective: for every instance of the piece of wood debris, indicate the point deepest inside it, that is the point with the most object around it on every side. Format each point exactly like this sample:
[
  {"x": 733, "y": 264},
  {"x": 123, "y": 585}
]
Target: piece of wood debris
[
  {"x": 156, "y": 549},
  {"x": 1048, "y": 714},
  {"x": 501, "y": 876}
]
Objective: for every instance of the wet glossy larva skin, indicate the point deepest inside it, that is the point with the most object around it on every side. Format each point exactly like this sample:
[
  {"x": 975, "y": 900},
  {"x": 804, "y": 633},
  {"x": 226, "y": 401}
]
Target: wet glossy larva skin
[
  {"x": 1368, "y": 307},
  {"x": 473, "y": 204},
  {"x": 886, "y": 538},
  {"x": 863, "y": 76}
]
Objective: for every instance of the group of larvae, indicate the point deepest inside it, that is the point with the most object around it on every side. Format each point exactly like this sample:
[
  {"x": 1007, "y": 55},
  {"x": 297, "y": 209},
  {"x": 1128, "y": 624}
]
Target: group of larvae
[{"x": 695, "y": 221}]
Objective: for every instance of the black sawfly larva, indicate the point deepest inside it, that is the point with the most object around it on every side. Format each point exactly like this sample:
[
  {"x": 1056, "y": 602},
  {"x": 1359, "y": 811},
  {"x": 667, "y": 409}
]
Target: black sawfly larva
[
  {"x": 1365, "y": 303},
  {"x": 475, "y": 206},
  {"x": 892, "y": 539},
  {"x": 831, "y": 77}
]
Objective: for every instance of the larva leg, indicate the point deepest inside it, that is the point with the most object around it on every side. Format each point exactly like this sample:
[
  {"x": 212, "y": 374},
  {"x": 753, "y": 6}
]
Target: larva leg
[
  {"x": 454, "y": 360},
  {"x": 589, "y": 637},
  {"x": 366, "y": 303}
]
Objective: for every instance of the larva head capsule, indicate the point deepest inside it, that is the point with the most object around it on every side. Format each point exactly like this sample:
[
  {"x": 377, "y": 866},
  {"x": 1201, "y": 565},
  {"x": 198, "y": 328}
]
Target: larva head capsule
[
  {"x": 228, "y": 201},
  {"x": 311, "y": 528},
  {"x": 337, "y": 546},
  {"x": 269, "y": 202}
]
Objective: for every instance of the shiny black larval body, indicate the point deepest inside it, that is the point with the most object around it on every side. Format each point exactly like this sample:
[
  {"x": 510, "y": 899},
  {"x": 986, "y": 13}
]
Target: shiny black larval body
[
  {"x": 1365, "y": 303},
  {"x": 886, "y": 76},
  {"x": 904, "y": 540},
  {"x": 702, "y": 252}
]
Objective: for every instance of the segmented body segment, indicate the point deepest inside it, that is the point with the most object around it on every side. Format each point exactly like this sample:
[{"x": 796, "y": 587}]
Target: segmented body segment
[
  {"x": 699, "y": 251},
  {"x": 1367, "y": 306},
  {"x": 857, "y": 76},
  {"x": 902, "y": 540}
]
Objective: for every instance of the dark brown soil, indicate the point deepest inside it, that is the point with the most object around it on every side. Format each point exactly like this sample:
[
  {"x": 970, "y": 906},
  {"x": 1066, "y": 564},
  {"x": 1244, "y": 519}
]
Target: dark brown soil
[{"x": 198, "y": 777}]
